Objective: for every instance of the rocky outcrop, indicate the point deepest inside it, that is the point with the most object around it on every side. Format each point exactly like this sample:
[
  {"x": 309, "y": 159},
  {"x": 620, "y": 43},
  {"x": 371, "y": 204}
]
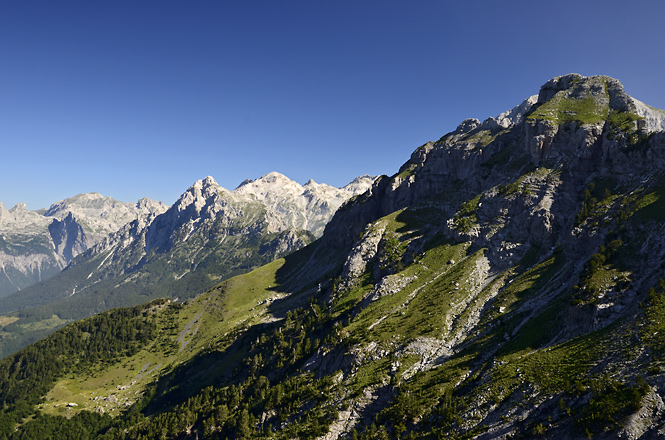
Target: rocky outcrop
[{"x": 68, "y": 237}]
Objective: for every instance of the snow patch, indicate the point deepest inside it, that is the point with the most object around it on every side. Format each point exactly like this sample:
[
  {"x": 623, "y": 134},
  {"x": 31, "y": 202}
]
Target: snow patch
[{"x": 102, "y": 263}]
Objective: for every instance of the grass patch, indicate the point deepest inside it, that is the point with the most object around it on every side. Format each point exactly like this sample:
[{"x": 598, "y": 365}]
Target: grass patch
[
  {"x": 530, "y": 282},
  {"x": 6, "y": 320},
  {"x": 564, "y": 107},
  {"x": 424, "y": 314},
  {"x": 398, "y": 312},
  {"x": 651, "y": 206}
]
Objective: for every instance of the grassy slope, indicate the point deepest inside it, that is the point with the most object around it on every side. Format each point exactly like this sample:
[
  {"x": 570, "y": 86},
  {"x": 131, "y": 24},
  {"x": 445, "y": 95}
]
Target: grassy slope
[{"x": 184, "y": 333}]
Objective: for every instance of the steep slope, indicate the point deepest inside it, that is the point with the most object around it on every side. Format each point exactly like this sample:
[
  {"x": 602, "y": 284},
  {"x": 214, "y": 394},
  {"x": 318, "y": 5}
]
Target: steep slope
[
  {"x": 38, "y": 244},
  {"x": 209, "y": 234},
  {"x": 504, "y": 283}
]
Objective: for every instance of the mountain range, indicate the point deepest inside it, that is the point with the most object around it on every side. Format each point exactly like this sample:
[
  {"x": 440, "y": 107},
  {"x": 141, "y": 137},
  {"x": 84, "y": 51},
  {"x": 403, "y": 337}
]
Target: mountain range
[
  {"x": 506, "y": 282},
  {"x": 209, "y": 234}
]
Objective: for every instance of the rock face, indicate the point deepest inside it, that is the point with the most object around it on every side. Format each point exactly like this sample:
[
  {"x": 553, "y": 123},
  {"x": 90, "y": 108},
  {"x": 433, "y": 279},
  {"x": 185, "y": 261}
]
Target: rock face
[
  {"x": 100, "y": 216},
  {"x": 68, "y": 237},
  {"x": 209, "y": 233},
  {"x": 35, "y": 245}
]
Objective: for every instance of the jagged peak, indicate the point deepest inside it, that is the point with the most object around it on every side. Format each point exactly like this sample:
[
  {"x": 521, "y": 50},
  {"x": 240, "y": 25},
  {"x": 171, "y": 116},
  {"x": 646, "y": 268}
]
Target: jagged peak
[
  {"x": 146, "y": 202},
  {"x": 205, "y": 183},
  {"x": 362, "y": 178},
  {"x": 467, "y": 125},
  {"x": 517, "y": 113},
  {"x": 201, "y": 189},
  {"x": 245, "y": 182},
  {"x": 19, "y": 207},
  {"x": 504, "y": 120}
]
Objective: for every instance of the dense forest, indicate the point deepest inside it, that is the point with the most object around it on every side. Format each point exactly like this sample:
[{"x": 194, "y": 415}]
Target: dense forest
[{"x": 26, "y": 376}]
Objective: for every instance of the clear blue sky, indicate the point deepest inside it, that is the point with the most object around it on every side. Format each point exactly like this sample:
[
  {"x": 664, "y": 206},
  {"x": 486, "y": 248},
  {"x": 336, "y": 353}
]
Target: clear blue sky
[{"x": 142, "y": 98}]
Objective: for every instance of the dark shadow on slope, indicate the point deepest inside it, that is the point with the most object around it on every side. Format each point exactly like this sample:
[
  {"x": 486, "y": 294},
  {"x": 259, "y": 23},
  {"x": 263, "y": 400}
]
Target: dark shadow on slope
[
  {"x": 306, "y": 275},
  {"x": 232, "y": 365},
  {"x": 213, "y": 368}
]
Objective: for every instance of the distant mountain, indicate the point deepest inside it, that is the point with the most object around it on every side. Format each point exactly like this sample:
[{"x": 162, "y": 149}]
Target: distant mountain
[
  {"x": 209, "y": 234},
  {"x": 35, "y": 245},
  {"x": 507, "y": 282},
  {"x": 309, "y": 206}
]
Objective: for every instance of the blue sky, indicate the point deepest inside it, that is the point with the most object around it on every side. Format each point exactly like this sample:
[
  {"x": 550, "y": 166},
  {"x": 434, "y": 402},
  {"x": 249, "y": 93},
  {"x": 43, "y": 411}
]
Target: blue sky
[{"x": 141, "y": 98}]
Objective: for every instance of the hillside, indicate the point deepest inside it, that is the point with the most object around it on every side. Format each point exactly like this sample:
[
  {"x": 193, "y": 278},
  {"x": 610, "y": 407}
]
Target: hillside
[
  {"x": 505, "y": 283},
  {"x": 209, "y": 234}
]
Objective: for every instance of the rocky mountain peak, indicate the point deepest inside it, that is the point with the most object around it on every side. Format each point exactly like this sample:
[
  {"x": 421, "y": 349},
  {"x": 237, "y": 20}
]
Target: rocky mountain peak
[
  {"x": 269, "y": 185},
  {"x": 274, "y": 176},
  {"x": 467, "y": 125},
  {"x": 579, "y": 86},
  {"x": 19, "y": 207},
  {"x": 203, "y": 192},
  {"x": 209, "y": 182},
  {"x": 557, "y": 84},
  {"x": 586, "y": 122},
  {"x": 146, "y": 204},
  {"x": 516, "y": 114},
  {"x": 360, "y": 184},
  {"x": 203, "y": 186},
  {"x": 605, "y": 92},
  {"x": 79, "y": 201}
]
